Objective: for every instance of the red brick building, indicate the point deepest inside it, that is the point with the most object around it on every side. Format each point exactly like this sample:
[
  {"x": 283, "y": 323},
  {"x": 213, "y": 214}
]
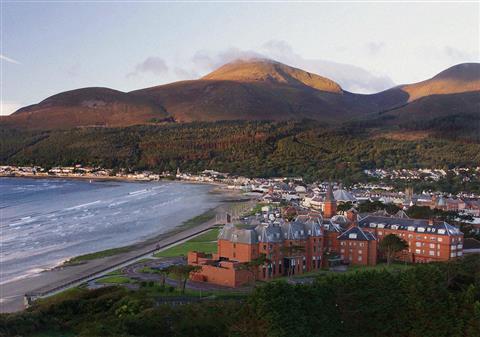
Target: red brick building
[
  {"x": 289, "y": 248},
  {"x": 299, "y": 246},
  {"x": 428, "y": 241}
]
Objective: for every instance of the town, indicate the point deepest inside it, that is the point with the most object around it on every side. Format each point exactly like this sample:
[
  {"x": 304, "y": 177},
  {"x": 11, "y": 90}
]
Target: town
[{"x": 300, "y": 227}]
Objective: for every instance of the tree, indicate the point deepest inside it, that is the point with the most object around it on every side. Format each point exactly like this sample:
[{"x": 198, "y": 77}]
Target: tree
[
  {"x": 390, "y": 245},
  {"x": 252, "y": 265},
  {"x": 345, "y": 206},
  {"x": 163, "y": 274},
  {"x": 182, "y": 273}
]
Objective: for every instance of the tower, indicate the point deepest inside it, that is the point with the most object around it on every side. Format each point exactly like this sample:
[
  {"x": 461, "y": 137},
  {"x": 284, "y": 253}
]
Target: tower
[{"x": 329, "y": 205}]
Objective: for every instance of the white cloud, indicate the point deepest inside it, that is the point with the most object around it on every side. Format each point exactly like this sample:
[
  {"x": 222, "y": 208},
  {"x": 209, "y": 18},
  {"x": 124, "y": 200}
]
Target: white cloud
[
  {"x": 350, "y": 77},
  {"x": 8, "y": 59},
  {"x": 154, "y": 65},
  {"x": 205, "y": 61},
  {"x": 9, "y": 107},
  {"x": 375, "y": 48},
  {"x": 457, "y": 55}
]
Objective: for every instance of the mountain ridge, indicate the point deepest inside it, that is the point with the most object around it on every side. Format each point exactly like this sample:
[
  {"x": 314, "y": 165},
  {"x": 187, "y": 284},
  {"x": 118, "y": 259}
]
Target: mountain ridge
[{"x": 256, "y": 89}]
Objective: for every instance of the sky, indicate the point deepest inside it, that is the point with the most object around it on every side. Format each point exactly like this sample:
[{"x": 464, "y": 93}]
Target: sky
[{"x": 50, "y": 47}]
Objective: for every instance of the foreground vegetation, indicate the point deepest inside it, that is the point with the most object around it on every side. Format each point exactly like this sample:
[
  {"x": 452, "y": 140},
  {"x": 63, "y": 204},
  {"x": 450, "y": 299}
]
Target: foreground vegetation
[
  {"x": 433, "y": 300},
  {"x": 258, "y": 149}
]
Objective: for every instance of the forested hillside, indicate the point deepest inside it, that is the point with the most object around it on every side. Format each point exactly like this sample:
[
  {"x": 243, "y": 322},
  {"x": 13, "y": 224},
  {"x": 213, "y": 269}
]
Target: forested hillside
[
  {"x": 255, "y": 149},
  {"x": 434, "y": 300}
]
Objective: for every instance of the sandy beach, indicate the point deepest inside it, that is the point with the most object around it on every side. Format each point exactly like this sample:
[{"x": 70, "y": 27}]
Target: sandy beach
[{"x": 12, "y": 293}]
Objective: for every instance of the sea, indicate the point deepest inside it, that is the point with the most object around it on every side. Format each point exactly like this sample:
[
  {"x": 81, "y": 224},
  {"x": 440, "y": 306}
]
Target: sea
[{"x": 44, "y": 222}]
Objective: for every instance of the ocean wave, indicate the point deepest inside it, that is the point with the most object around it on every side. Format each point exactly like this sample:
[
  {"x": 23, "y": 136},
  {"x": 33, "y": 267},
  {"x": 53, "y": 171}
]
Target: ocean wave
[{"x": 83, "y": 205}]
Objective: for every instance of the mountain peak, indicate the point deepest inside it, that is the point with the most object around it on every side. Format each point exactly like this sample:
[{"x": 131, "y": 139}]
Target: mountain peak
[
  {"x": 464, "y": 77},
  {"x": 271, "y": 71},
  {"x": 467, "y": 72}
]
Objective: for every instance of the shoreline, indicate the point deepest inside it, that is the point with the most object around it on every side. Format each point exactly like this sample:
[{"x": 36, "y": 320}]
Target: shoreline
[
  {"x": 12, "y": 292},
  {"x": 110, "y": 178}
]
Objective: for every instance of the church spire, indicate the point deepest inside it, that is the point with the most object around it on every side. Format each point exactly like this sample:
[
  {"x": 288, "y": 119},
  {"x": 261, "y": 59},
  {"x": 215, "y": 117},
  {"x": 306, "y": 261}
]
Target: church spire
[
  {"x": 329, "y": 196},
  {"x": 329, "y": 205}
]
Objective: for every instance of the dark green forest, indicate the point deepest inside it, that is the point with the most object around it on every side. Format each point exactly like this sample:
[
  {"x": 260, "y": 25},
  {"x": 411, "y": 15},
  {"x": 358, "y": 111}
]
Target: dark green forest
[
  {"x": 432, "y": 300},
  {"x": 255, "y": 149}
]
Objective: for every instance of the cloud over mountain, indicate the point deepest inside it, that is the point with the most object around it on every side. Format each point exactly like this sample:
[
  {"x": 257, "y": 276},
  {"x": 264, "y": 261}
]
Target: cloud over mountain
[{"x": 153, "y": 65}]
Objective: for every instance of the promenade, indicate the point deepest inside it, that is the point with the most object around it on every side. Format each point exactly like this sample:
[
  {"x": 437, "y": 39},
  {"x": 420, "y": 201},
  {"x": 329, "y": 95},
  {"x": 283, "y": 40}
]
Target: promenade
[{"x": 62, "y": 278}]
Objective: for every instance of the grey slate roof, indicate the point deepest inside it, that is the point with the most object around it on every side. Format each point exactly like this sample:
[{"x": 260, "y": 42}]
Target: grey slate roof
[
  {"x": 413, "y": 225},
  {"x": 356, "y": 233},
  {"x": 271, "y": 231},
  {"x": 343, "y": 195}
]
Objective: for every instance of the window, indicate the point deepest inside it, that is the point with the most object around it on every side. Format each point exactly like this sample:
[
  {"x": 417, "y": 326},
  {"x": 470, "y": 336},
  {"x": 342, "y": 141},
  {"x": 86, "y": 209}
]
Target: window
[
  {"x": 418, "y": 244},
  {"x": 380, "y": 233},
  {"x": 360, "y": 251},
  {"x": 417, "y": 251},
  {"x": 453, "y": 254},
  {"x": 352, "y": 235},
  {"x": 432, "y": 245},
  {"x": 360, "y": 258},
  {"x": 440, "y": 239},
  {"x": 431, "y": 253},
  {"x": 361, "y": 244}
]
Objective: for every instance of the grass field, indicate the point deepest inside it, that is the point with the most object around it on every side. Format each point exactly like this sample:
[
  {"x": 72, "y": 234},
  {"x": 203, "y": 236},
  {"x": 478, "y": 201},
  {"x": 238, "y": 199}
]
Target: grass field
[
  {"x": 199, "y": 219},
  {"x": 115, "y": 279},
  {"x": 195, "y": 221},
  {"x": 206, "y": 242},
  {"x": 97, "y": 255}
]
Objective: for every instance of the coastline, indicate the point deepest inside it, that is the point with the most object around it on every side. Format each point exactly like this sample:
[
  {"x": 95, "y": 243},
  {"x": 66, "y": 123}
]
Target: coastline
[
  {"x": 12, "y": 292},
  {"x": 107, "y": 178}
]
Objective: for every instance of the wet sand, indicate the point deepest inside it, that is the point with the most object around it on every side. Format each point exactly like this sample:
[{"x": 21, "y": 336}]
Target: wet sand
[{"x": 13, "y": 292}]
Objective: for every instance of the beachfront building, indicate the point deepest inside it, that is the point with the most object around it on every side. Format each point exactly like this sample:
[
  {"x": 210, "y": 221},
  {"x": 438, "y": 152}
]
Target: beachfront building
[
  {"x": 267, "y": 247},
  {"x": 286, "y": 248}
]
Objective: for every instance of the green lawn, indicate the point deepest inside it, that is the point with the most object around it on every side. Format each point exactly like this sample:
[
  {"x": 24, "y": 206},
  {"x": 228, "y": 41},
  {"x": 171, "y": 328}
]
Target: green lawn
[
  {"x": 209, "y": 236},
  {"x": 394, "y": 267},
  {"x": 206, "y": 242},
  {"x": 116, "y": 279},
  {"x": 96, "y": 255},
  {"x": 198, "y": 220}
]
